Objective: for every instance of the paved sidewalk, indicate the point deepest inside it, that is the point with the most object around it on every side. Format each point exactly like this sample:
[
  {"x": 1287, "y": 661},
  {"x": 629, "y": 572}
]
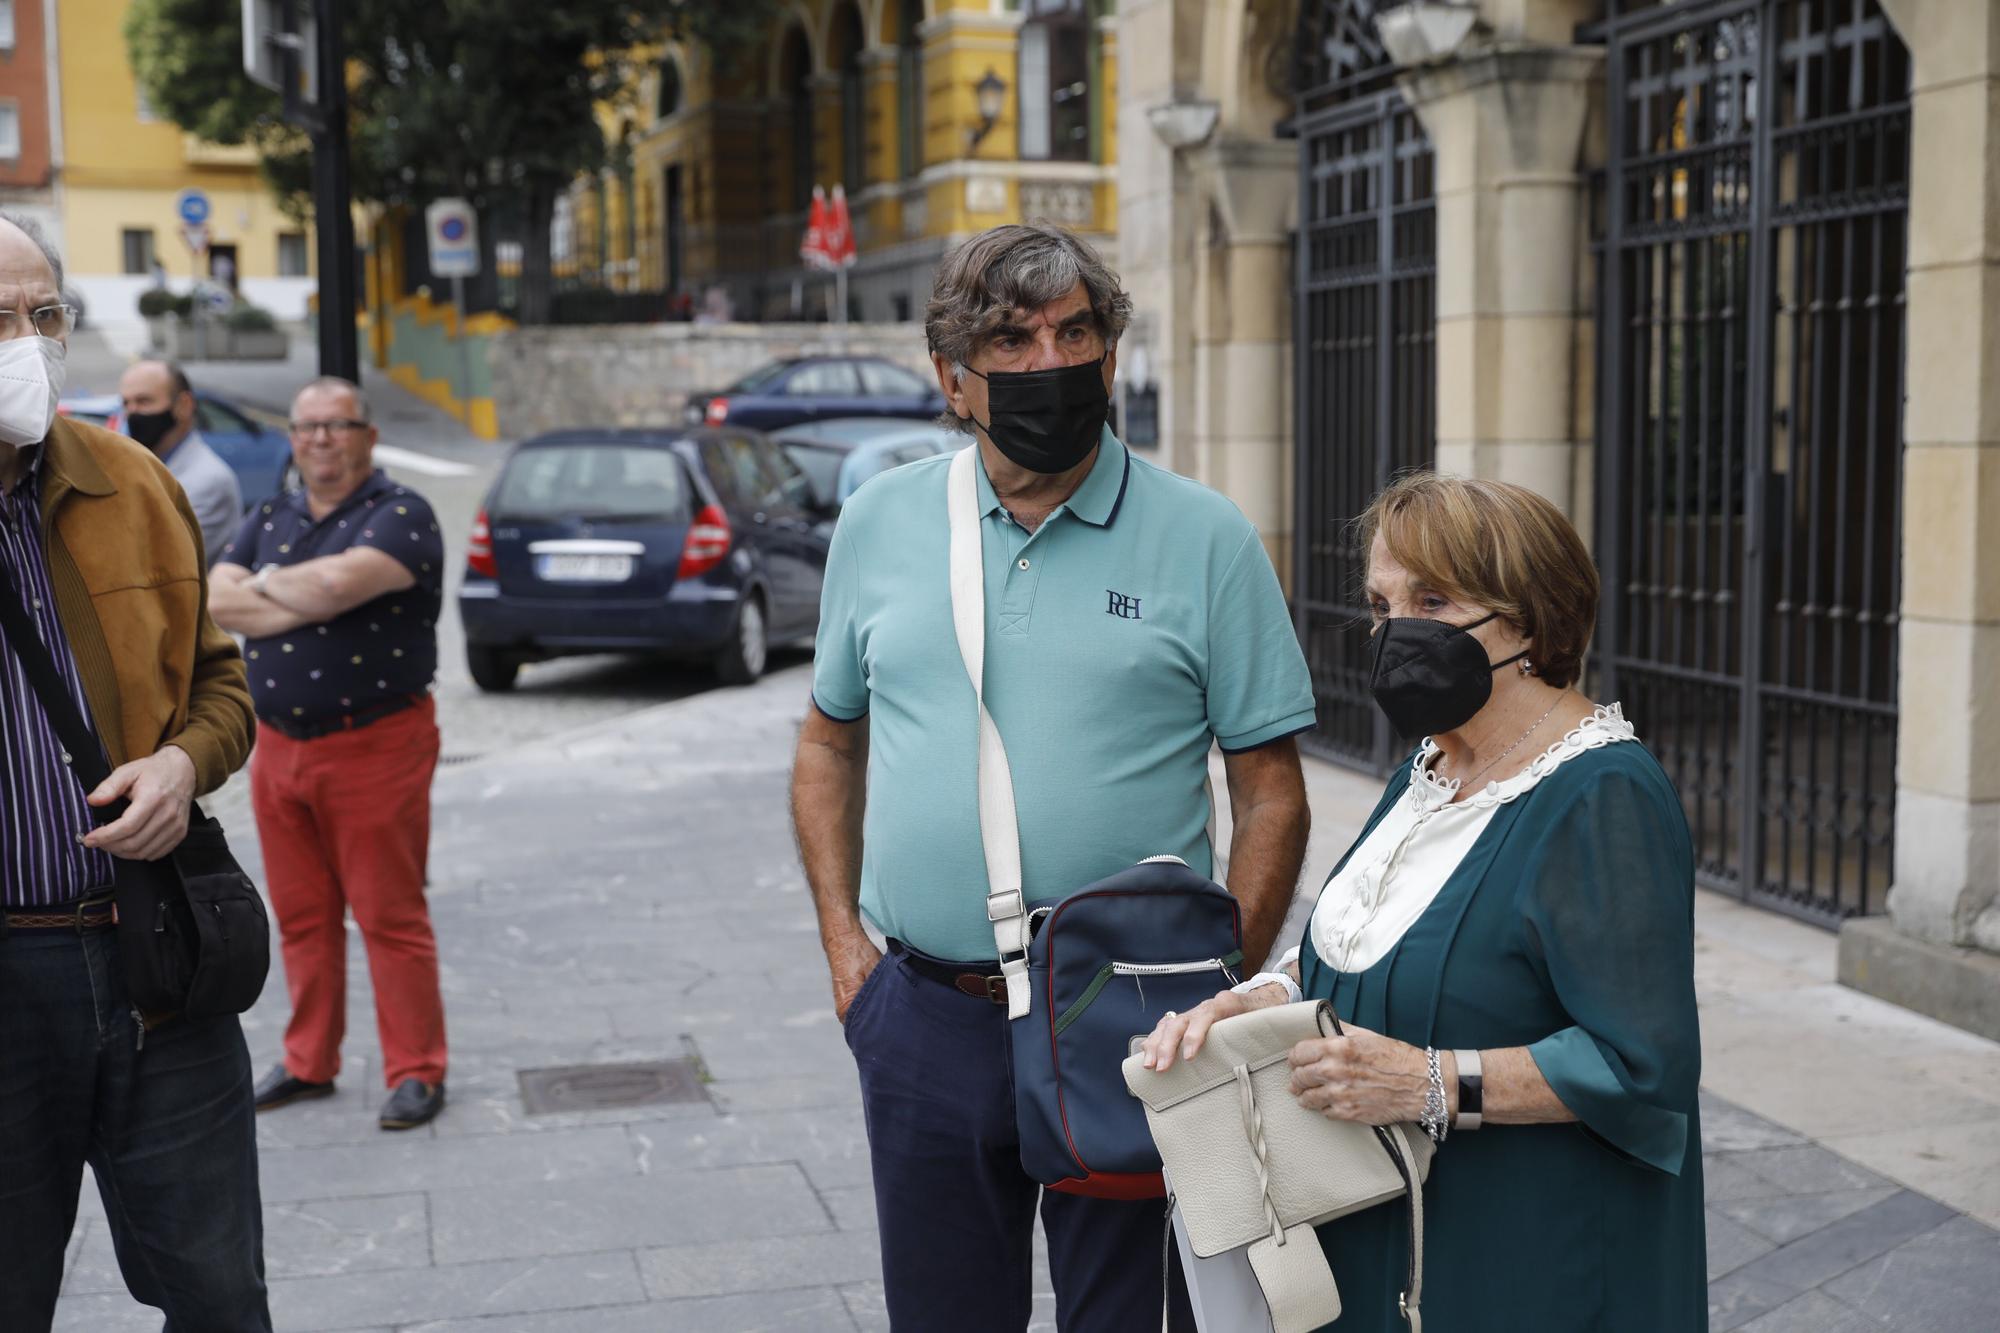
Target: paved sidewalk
[{"x": 631, "y": 893}]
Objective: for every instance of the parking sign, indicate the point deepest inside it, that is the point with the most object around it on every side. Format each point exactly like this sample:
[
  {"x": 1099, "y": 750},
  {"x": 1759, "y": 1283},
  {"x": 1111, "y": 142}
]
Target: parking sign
[{"x": 454, "y": 238}]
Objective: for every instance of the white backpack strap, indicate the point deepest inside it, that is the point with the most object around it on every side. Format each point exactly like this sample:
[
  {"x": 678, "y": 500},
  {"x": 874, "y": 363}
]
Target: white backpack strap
[{"x": 999, "y": 830}]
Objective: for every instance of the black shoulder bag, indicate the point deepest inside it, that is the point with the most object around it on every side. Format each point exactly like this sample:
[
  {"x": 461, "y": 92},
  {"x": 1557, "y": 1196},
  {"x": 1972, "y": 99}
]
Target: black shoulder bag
[{"x": 192, "y": 932}]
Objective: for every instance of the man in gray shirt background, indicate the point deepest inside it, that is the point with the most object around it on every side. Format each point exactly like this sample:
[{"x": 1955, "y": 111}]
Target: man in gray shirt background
[{"x": 159, "y": 413}]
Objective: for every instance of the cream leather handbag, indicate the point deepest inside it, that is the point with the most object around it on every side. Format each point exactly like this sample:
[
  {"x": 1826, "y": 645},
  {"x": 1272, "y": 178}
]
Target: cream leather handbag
[{"x": 1251, "y": 1168}]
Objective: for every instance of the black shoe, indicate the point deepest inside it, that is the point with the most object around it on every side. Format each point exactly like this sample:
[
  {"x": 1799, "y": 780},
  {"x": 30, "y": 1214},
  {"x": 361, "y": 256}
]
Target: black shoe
[
  {"x": 414, "y": 1102},
  {"x": 279, "y": 1088}
]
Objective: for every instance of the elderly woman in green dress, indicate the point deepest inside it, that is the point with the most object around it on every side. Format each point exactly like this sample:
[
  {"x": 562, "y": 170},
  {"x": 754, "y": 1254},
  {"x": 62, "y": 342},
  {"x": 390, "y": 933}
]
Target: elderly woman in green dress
[{"x": 1510, "y": 945}]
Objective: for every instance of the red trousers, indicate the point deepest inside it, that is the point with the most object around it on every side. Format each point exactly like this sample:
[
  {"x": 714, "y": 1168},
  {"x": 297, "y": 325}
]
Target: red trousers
[{"x": 345, "y": 822}]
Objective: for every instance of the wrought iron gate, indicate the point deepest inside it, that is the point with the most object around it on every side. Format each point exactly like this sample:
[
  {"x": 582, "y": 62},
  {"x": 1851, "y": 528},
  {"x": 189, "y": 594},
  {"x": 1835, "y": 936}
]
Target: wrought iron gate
[
  {"x": 1365, "y": 368},
  {"x": 1752, "y": 230}
]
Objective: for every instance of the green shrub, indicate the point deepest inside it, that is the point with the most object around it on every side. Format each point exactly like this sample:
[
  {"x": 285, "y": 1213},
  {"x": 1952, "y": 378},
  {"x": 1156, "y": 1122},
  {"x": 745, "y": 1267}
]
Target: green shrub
[
  {"x": 157, "y": 301},
  {"x": 247, "y": 318}
]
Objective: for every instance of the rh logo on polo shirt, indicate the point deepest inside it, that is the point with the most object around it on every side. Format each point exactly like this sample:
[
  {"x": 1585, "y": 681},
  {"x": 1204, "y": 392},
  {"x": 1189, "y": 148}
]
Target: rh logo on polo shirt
[{"x": 1125, "y": 608}]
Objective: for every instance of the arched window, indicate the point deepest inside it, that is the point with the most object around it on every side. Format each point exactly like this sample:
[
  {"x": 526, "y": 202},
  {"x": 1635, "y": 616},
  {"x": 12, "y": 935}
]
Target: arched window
[
  {"x": 910, "y": 88},
  {"x": 669, "y": 100},
  {"x": 795, "y": 86},
  {"x": 844, "y": 55},
  {"x": 1055, "y": 81}
]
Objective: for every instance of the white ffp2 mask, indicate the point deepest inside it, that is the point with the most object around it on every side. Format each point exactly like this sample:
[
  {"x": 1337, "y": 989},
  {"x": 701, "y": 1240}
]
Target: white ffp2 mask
[{"x": 31, "y": 380}]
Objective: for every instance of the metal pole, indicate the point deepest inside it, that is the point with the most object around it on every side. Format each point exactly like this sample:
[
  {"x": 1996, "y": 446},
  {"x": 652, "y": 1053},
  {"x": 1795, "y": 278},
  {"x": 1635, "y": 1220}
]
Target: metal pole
[
  {"x": 333, "y": 215},
  {"x": 840, "y": 293},
  {"x": 464, "y": 346}
]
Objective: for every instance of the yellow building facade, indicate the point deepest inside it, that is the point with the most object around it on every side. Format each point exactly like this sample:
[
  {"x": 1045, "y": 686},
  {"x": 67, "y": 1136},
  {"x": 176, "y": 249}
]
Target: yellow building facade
[
  {"x": 939, "y": 117},
  {"x": 123, "y": 170}
]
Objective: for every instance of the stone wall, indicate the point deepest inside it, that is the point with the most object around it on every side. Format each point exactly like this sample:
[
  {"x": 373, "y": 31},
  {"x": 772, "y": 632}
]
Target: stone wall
[{"x": 642, "y": 374}]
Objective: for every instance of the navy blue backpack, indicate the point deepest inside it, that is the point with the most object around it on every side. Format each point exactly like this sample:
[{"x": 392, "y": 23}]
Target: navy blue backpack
[
  {"x": 1089, "y": 971},
  {"x": 1105, "y": 964}
]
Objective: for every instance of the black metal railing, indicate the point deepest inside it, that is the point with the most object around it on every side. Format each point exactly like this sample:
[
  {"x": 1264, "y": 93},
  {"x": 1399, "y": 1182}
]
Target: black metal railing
[
  {"x": 1366, "y": 370},
  {"x": 1753, "y": 229}
]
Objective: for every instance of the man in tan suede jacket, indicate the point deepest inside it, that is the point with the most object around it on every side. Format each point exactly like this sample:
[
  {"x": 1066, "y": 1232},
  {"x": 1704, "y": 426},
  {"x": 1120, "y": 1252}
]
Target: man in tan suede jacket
[{"x": 103, "y": 554}]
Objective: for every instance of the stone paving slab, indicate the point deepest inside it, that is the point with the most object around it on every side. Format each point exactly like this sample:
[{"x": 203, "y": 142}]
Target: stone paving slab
[
  {"x": 347, "y": 1170},
  {"x": 1944, "y": 1281},
  {"x": 321, "y": 1238},
  {"x": 803, "y": 1310},
  {"x": 665, "y": 1208},
  {"x": 763, "y": 1263},
  {"x": 568, "y": 1282}
]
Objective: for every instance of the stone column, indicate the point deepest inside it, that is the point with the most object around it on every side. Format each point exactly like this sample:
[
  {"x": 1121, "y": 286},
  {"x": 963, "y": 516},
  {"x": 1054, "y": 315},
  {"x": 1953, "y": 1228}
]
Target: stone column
[
  {"x": 1156, "y": 206},
  {"x": 1506, "y": 122},
  {"x": 1939, "y": 957},
  {"x": 1242, "y": 334}
]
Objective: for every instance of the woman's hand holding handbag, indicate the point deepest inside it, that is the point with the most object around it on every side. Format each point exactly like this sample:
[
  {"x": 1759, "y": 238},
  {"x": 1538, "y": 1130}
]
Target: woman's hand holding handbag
[{"x": 1254, "y": 1166}]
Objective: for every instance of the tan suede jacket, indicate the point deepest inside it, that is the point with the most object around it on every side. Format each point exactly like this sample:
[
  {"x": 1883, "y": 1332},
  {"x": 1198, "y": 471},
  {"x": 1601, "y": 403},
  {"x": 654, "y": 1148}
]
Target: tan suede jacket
[{"x": 125, "y": 560}]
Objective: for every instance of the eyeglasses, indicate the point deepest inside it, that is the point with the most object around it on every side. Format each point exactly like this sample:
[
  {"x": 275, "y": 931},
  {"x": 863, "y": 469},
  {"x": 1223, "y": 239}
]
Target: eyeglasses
[
  {"x": 51, "y": 321},
  {"x": 305, "y": 430}
]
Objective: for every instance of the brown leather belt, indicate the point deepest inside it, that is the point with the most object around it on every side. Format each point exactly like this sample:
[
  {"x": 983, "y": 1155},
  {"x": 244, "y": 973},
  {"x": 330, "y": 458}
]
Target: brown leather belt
[
  {"x": 97, "y": 913},
  {"x": 980, "y": 984}
]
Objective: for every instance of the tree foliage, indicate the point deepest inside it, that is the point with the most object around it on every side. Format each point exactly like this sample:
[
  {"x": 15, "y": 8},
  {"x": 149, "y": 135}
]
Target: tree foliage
[{"x": 492, "y": 100}]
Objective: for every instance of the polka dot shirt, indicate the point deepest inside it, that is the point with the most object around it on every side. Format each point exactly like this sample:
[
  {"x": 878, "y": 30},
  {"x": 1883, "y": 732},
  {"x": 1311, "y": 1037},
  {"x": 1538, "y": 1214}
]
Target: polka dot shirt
[{"x": 380, "y": 650}]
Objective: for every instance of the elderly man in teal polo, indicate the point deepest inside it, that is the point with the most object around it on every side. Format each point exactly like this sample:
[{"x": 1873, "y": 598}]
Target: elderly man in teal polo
[{"x": 1133, "y": 621}]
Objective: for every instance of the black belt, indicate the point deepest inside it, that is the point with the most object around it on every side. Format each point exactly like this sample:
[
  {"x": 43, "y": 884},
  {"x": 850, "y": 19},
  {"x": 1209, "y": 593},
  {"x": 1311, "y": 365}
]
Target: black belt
[
  {"x": 85, "y": 914},
  {"x": 314, "y": 727},
  {"x": 982, "y": 981}
]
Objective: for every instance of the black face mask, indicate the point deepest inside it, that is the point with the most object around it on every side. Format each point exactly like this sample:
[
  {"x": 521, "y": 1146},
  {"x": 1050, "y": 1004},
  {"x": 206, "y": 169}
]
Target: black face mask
[
  {"x": 1430, "y": 676},
  {"x": 148, "y": 428},
  {"x": 1046, "y": 420}
]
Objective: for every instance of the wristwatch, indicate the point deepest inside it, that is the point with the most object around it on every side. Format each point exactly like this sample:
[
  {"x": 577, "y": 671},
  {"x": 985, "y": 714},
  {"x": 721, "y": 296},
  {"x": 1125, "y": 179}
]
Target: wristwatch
[
  {"x": 1470, "y": 1097},
  {"x": 261, "y": 580}
]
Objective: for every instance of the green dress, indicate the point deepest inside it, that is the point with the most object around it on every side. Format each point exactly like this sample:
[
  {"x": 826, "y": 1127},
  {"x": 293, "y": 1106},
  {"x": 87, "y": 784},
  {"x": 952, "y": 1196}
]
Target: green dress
[{"x": 1567, "y": 928}]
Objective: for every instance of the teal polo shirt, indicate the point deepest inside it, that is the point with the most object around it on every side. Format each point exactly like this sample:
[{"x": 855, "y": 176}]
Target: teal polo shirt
[{"x": 1140, "y": 623}]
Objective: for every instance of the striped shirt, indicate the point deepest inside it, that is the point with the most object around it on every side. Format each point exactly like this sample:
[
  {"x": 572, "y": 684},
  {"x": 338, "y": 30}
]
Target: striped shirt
[{"x": 42, "y": 810}]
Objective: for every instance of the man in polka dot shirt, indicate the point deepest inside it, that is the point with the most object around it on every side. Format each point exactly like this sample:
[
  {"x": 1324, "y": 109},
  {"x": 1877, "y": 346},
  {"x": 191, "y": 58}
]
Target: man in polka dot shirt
[{"x": 336, "y": 588}]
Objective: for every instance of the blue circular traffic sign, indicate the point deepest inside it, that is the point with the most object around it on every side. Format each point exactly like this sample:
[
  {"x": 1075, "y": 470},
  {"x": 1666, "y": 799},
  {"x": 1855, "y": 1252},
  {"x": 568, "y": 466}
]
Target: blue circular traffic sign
[
  {"x": 452, "y": 229},
  {"x": 193, "y": 206}
]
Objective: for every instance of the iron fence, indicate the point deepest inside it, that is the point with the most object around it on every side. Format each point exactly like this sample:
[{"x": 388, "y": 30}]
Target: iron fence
[
  {"x": 1753, "y": 224},
  {"x": 1366, "y": 371}
]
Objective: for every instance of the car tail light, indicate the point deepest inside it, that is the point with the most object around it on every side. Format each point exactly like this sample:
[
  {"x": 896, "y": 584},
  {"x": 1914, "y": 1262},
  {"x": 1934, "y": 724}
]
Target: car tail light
[
  {"x": 708, "y": 541},
  {"x": 479, "y": 549},
  {"x": 718, "y": 411}
]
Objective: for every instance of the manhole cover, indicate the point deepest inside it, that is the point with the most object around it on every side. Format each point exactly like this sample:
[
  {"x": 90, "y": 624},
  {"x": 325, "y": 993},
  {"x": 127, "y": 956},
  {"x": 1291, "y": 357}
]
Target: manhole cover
[{"x": 609, "y": 1087}]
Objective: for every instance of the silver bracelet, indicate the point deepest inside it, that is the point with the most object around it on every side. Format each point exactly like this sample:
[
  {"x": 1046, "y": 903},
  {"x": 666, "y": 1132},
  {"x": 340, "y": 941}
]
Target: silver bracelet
[{"x": 1434, "y": 1121}]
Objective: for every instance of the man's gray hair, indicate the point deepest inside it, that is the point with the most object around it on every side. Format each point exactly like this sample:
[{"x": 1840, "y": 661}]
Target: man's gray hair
[
  {"x": 332, "y": 384},
  {"x": 33, "y": 231},
  {"x": 1019, "y": 266}
]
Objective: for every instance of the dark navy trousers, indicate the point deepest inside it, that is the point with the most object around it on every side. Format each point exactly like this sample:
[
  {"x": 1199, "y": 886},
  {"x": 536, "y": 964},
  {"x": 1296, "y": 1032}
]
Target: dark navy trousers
[
  {"x": 956, "y": 1211},
  {"x": 168, "y": 1130}
]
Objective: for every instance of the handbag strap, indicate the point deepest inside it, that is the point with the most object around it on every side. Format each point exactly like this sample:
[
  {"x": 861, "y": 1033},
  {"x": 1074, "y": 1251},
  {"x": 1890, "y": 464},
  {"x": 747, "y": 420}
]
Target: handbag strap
[
  {"x": 83, "y": 752},
  {"x": 999, "y": 830},
  {"x": 1395, "y": 1139}
]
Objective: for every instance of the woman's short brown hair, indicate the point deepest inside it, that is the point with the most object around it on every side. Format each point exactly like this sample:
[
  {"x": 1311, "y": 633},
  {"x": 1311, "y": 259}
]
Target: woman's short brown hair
[{"x": 1500, "y": 547}]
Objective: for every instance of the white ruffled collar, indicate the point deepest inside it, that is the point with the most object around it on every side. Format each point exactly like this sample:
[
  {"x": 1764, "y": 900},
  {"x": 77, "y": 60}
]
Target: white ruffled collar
[{"x": 1605, "y": 726}]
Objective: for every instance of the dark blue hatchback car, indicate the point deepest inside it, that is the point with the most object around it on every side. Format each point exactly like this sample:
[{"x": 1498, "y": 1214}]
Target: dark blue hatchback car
[
  {"x": 814, "y": 388},
  {"x": 704, "y": 544}
]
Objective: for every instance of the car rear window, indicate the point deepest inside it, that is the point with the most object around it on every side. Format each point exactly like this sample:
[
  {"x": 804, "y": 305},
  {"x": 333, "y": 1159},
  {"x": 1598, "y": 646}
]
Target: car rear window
[
  {"x": 879, "y": 379},
  {"x": 604, "y": 481},
  {"x": 759, "y": 379},
  {"x": 822, "y": 379},
  {"x": 819, "y": 463}
]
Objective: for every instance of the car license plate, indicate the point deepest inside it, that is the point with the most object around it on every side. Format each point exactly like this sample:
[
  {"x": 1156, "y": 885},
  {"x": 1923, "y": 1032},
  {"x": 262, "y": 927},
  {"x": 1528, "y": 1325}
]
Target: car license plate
[{"x": 585, "y": 568}]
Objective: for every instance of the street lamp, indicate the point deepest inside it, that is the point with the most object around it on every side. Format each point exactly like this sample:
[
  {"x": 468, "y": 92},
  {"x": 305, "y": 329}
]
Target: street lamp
[{"x": 990, "y": 92}]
